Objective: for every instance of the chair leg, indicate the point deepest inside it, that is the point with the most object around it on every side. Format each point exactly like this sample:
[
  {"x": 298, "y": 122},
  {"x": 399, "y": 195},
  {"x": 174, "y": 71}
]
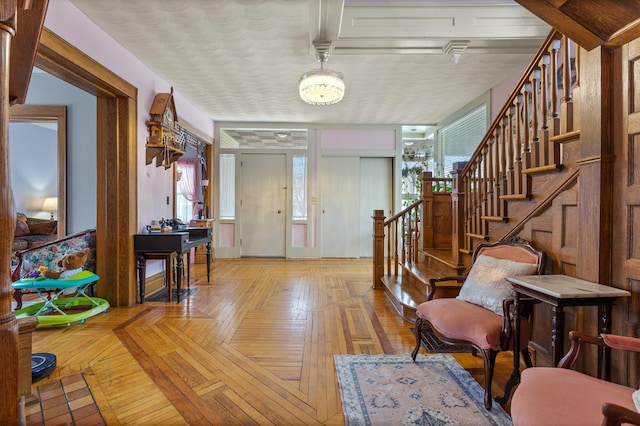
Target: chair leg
[
  {"x": 526, "y": 357},
  {"x": 489, "y": 357},
  {"x": 417, "y": 332},
  {"x": 17, "y": 296}
]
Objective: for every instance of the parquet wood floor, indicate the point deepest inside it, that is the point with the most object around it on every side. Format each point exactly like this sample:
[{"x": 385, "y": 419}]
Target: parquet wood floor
[{"x": 253, "y": 346}]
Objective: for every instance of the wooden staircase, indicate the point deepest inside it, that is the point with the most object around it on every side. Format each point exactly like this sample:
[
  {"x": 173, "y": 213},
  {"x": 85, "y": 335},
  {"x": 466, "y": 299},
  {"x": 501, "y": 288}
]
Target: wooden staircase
[{"x": 526, "y": 161}]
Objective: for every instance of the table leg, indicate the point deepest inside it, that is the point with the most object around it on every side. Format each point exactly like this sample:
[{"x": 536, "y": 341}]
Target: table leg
[
  {"x": 141, "y": 273},
  {"x": 188, "y": 268},
  {"x": 179, "y": 267},
  {"x": 557, "y": 334},
  {"x": 208, "y": 260},
  {"x": 514, "y": 380},
  {"x": 604, "y": 353}
]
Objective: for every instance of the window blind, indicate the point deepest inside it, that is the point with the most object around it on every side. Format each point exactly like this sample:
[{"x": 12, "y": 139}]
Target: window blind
[{"x": 458, "y": 140}]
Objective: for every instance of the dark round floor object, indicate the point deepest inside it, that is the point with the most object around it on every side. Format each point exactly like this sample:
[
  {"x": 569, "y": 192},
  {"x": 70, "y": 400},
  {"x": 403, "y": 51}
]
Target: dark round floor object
[{"x": 42, "y": 364}]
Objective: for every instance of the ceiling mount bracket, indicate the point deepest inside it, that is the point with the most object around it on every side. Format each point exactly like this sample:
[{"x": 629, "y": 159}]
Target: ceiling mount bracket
[{"x": 455, "y": 49}]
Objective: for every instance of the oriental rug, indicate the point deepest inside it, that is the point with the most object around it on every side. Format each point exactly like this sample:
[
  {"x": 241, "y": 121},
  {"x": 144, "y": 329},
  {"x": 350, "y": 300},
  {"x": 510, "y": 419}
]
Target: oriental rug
[{"x": 394, "y": 390}]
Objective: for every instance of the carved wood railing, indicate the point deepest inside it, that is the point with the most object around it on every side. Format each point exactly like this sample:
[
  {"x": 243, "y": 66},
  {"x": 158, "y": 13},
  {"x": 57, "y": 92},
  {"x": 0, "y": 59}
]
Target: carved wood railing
[
  {"x": 398, "y": 240},
  {"x": 525, "y": 139}
]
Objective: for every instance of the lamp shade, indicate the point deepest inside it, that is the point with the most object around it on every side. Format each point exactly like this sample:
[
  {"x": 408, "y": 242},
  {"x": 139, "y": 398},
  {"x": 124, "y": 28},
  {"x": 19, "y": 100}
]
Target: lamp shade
[
  {"x": 50, "y": 204},
  {"x": 322, "y": 87}
]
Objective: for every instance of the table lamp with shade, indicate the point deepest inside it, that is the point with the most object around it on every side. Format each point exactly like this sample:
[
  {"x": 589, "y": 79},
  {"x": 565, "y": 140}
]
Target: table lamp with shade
[{"x": 50, "y": 204}]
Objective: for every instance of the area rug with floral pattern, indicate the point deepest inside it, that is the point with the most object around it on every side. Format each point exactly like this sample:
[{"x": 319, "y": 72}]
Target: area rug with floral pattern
[{"x": 394, "y": 390}]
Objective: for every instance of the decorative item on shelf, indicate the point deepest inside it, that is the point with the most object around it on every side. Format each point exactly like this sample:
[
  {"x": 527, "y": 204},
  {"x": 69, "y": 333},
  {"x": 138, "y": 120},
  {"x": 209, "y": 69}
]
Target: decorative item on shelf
[
  {"x": 50, "y": 204},
  {"x": 154, "y": 227},
  {"x": 163, "y": 143},
  {"x": 322, "y": 86}
]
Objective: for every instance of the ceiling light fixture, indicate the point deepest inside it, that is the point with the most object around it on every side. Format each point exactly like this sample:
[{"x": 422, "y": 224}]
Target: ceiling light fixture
[{"x": 322, "y": 86}]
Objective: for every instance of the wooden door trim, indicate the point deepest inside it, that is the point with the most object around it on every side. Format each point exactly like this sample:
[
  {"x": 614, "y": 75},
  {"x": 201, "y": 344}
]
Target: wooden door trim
[{"x": 116, "y": 139}]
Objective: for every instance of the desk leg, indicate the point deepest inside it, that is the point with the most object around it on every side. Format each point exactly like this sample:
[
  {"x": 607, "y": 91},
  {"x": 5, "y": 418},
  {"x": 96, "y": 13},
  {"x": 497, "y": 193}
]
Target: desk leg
[
  {"x": 141, "y": 273},
  {"x": 604, "y": 353},
  {"x": 557, "y": 334},
  {"x": 208, "y": 261},
  {"x": 514, "y": 380},
  {"x": 179, "y": 267}
]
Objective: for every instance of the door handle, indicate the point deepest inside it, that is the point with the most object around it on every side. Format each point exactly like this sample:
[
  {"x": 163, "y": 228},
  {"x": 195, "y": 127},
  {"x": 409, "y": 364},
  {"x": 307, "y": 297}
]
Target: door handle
[{"x": 279, "y": 211}]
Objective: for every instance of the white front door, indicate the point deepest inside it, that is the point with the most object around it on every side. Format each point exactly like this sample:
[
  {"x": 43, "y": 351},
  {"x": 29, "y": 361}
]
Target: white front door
[{"x": 263, "y": 205}]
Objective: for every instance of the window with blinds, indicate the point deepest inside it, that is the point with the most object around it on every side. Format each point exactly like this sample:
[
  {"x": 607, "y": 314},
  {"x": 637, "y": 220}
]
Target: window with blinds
[{"x": 458, "y": 140}]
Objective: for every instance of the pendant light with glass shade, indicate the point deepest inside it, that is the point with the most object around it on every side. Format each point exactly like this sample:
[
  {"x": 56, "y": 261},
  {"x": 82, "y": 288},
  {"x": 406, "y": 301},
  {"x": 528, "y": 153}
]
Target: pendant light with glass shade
[{"x": 322, "y": 86}]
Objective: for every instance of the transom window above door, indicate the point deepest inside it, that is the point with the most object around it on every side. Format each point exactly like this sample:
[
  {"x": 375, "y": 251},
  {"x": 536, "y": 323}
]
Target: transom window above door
[{"x": 263, "y": 138}]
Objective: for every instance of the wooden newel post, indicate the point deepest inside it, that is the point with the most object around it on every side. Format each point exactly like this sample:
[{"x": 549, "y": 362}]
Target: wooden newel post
[
  {"x": 378, "y": 247},
  {"x": 457, "y": 213},
  {"x": 8, "y": 323},
  {"x": 426, "y": 193},
  {"x": 18, "y": 48}
]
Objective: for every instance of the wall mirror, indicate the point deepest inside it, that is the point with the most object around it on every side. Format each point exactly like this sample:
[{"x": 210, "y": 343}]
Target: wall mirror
[{"x": 37, "y": 143}]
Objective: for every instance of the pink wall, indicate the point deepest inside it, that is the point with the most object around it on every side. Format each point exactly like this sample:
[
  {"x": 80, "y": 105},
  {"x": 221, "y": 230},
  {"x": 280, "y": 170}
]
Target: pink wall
[
  {"x": 362, "y": 140},
  {"x": 501, "y": 91},
  {"x": 154, "y": 183}
]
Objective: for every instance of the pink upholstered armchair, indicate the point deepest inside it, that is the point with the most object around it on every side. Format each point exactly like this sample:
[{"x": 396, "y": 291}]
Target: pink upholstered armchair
[
  {"x": 562, "y": 396},
  {"x": 481, "y": 314}
]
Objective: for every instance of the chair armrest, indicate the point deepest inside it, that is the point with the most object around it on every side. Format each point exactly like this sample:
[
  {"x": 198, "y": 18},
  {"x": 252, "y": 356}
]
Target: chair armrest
[
  {"x": 577, "y": 338},
  {"x": 624, "y": 343},
  {"x": 615, "y": 415},
  {"x": 433, "y": 283},
  {"x": 607, "y": 340}
]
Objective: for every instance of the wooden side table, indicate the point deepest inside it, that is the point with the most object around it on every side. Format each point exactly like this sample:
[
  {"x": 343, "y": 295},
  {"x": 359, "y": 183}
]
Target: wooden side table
[{"x": 560, "y": 291}]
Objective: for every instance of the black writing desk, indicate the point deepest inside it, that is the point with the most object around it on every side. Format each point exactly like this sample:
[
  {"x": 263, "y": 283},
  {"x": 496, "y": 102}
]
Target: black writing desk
[{"x": 147, "y": 246}]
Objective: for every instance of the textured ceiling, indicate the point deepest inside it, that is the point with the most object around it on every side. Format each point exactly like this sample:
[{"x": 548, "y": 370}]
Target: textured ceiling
[{"x": 241, "y": 60}]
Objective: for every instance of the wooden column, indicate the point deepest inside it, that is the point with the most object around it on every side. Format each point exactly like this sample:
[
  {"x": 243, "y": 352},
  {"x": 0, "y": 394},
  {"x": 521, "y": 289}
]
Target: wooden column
[
  {"x": 596, "y": 168},
  {"x": 378, "y": 247},
  {"x": 8, "y": 324},
  {"x": 17, "y": 54}
]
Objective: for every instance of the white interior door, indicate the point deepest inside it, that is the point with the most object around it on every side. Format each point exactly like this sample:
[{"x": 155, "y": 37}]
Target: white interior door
[
  {"x": 263, "y": 205},
  {"x": 340, "y": 212},
  {"x": 375, "y": 194}
]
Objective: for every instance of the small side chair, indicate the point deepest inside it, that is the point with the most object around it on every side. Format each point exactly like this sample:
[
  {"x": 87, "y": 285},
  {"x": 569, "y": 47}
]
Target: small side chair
[
  {"x": 480, "y": 316},
  {"x": 562, "y": 396}
]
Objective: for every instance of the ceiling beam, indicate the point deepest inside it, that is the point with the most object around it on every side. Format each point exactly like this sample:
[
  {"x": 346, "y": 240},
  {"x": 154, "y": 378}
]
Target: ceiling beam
[{"x": 325, "y": 18}]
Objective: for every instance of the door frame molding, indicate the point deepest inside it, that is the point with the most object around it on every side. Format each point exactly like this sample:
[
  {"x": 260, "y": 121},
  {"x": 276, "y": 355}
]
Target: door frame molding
[{"x": 117, "y": 161}]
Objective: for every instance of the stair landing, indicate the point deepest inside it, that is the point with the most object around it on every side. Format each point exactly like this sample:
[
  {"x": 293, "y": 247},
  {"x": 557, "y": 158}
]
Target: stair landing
[{"x": 408, "y": 290}]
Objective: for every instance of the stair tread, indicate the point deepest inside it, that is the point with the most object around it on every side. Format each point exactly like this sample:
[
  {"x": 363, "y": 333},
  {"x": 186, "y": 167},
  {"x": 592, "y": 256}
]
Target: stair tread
[
  {"x": 443, "y": 255},
  {"x": 407, "y": 295}
]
